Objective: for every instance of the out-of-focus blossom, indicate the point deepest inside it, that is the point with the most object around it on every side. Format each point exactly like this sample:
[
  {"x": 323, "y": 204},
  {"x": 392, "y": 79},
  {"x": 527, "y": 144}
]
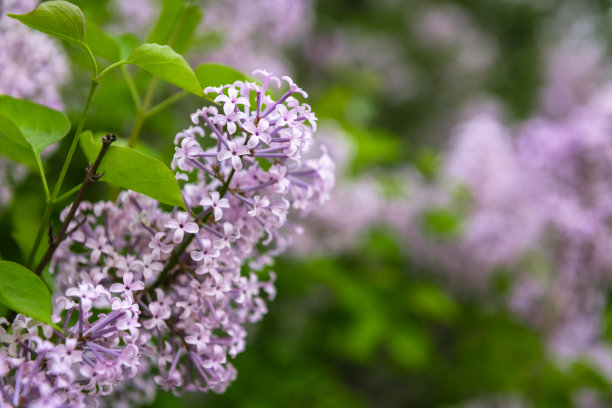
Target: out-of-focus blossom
[
  {"x": 254, "y": 33},
  {"x": 34, "y": 66},
  {"x": 135, "y": 16}
]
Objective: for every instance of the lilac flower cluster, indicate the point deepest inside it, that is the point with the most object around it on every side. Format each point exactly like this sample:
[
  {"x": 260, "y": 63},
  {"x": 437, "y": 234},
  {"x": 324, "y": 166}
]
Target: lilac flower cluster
[
  {"x": 135, "y": 16},
  {"x": 146, "y": 296},
  {"x": 34, "y": 66},
  {"x": 253, "y": 32},
  {"x": 538, "y": 208}
]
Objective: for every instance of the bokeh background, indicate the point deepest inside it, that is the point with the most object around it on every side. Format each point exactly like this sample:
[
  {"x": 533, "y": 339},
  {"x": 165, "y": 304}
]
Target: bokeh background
[{"x": 465, "y": 258}]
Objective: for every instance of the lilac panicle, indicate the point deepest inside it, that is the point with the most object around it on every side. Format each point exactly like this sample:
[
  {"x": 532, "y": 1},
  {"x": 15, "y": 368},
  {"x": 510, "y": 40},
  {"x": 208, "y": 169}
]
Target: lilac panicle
[
  {"x": 34, "y": 66},
  {"x": 148, "y": 298}
]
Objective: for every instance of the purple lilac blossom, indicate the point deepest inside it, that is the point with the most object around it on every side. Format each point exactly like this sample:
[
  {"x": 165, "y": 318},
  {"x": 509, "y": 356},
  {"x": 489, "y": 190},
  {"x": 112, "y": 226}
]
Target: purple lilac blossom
[
  {"x": 254, "y": 32},
  {"x": 134, "y": 16},
  {"x": 570, "y": 158},
  {"x": 483, "y": 182},
  {"x": 34, "y": 66},
  {"x": 574, "y": 63},
  {"x": 539, "y": 208},
  {"x": 357, "y": 204},
  {"x": 141, "y": 303}
]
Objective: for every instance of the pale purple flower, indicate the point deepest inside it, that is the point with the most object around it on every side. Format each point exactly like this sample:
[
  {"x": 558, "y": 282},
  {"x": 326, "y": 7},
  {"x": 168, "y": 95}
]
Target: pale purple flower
[
  {"x": 200, "y": 338},
  {"x": 98, "y": 247},
  {"x": 259, "y": 204},
  {"x": 231, "y": 101},
  {"x": 257, "y": 133},
  {"x": 128, "y": 286},
  {"x": 217, "y": 203},
  {"x": 233, "y": 151},
  {"x": 189, "y": 150},
  {"x": 158, "y": 246},
  {"x": 181, "y": 226},
  {"x": 230, "y": 121},
  {"x": 206, "y": 253},
  {"x": 158, "y": 316}
]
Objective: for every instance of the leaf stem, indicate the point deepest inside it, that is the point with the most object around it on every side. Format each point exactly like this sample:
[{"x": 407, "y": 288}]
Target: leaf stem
[
  {"x": 67, "y": 194},
  {"x": 39, "y": 234},
  {"x": 131, "y": 86},
  {"x": 60, "y": 180},
  {"x": 43, "y": 178},
  {"x": 94, "y": 63},
  {"x": 110, "y": 68},
  {"x": 90, "y": 177},
  {"x": 140, "y": 117},
  {"x": 75, "y": 140}
]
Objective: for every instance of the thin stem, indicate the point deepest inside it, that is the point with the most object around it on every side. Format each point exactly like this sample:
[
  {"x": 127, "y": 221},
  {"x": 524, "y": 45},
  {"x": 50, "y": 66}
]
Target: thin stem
[
  {"x": 90, "y": 177},
  {"x": 75, "y": 140},
  {"x": 177, "y": 28},
  {"x": 41, "y": 230},
  {"x": 110, "y": 68},
  {"x": 131, "y": 86},
  {"x": 60, "y": 180},
  {"x": 67, "y": 194},
  {"x": 166, "y": 103},
  {"x": 94, "y": 63},
  {"x": 140, "y": 117},
  {"x": 42, "y": 177}
]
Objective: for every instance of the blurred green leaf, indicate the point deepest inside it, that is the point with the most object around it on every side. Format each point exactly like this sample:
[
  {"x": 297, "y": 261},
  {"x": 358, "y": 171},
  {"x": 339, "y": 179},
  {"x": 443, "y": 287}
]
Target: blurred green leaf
[
  {"x": 190, "y": 20},
  {"x": 428, "y": 163},
  {"x": 169, "y": 16},
  {"x": 40, "y": 126},
  {"x": 164, "y": 62},
  {"x": 215, "y": 74},
  {"x": 102, "y": 44},
  {"x": 176, "y": 24},
  {"x": 128, "y": 168},
  {"x": 14, "y": 146},
  {"x": 24, "y": 292},
  {"x": 441, "y": 223},
  {"x": 432, "y": 302},
  {"x": 410, "y": 346},
  {"x": 59, "y": 19}
]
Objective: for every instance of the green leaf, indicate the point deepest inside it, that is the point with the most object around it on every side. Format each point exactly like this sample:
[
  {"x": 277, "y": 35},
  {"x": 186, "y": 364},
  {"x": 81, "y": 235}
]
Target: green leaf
[
  {"x": 39, "y": 125},
  {"x": 441, "y": 223},
  {"x": 176, "y": 24},
  {"x": 190, "y": 20},
  {"x": 164, "y": 62},
  {"x": 102, "y": 44},
  {"x": 14, "y": 146},
  {"x": 24, "y": 292},
  {"x": 128, "y": 168},
  {"x": 169, "y": 17},
  {"x": 214, "y": 74},
  {"x": 59, "y": 19}
]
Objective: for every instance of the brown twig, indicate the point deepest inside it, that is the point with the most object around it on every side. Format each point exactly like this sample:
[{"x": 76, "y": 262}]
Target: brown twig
[{"x": 90, "y": 177}]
